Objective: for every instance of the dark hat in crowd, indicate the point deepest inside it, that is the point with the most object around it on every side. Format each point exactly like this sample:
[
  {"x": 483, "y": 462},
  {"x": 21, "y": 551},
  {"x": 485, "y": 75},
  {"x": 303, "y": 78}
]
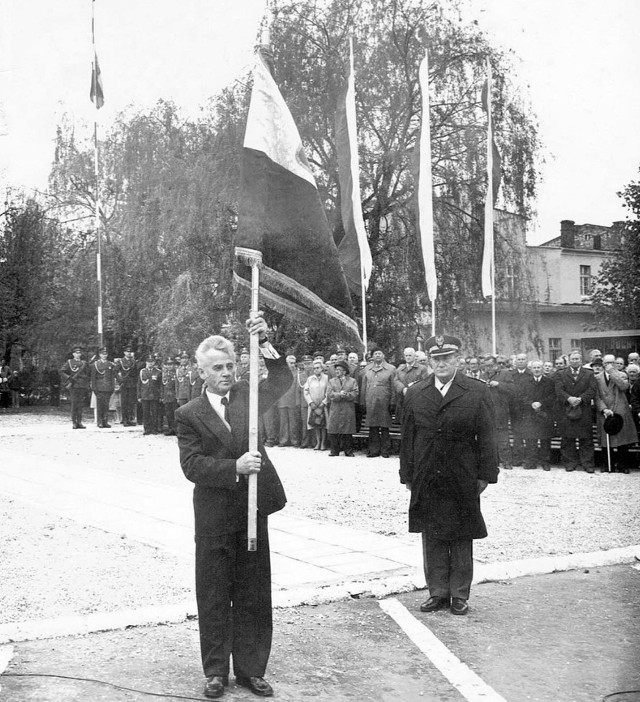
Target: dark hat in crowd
[
  {"x": 306, "y": 358},
  {"x": 597, "y": 362},
  {"x": 442, "y": 345},
  {"x": 613, "y": 424},
  {"x": 128, "y": 349},
  {"x": 244, "y": 350},
  {"x": 184, "y": 354},
  {"x": 341, "y": 349},
  {"x": 342, "y": 364},
  {"x": 150, "y": 357},
  {"x": 103, "y": 349},
  {"x": 76, "y": 349}
]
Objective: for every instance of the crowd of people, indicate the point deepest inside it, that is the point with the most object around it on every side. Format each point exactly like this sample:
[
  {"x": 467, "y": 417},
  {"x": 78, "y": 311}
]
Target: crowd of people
[{"x": 335, "y": 396}]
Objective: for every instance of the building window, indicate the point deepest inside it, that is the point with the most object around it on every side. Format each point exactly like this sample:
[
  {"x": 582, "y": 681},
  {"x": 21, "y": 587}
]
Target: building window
[
  {"x": 585, "y": 280},
  {"x": 576, "y": 343},
  {"x": 555, "y": 348}
]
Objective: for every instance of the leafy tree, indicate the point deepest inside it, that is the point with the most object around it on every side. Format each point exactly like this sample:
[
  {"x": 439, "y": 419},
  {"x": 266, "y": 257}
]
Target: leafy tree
[{"x": 616, "y": 292}]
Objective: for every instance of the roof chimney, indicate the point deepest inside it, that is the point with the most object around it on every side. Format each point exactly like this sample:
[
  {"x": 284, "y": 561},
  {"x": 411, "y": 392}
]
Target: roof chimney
[{"x": 567, "y": 234}]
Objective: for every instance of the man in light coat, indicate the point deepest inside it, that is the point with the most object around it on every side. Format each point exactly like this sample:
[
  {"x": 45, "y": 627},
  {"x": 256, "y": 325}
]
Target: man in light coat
[{"x": 378, "y": 395}]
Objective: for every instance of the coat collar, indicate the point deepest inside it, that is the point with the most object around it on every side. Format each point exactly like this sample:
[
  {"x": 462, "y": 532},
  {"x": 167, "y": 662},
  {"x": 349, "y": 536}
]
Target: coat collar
[{"x": 210, "y": 420}]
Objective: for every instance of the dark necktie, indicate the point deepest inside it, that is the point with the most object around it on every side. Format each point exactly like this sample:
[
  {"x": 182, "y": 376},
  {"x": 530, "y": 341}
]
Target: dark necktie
[{"x": 225, "y": 403}]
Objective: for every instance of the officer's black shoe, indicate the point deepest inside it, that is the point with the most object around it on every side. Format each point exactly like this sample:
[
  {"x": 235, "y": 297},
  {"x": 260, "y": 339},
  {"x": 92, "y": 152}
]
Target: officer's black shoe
[
  {"x": 459, "y": 605},
  {"x": 214, "y": 687},
  {"x": 259, "y": 686},
  {"x": 433, "y": 604}
]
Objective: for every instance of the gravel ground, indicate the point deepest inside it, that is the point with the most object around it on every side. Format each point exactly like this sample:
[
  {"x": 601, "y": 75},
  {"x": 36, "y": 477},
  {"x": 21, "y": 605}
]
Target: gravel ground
[{"x": 528, "y": 514}]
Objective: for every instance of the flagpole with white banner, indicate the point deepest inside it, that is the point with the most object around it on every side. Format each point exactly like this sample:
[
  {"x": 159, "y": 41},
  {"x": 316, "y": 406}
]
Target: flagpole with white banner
[
  {"x": 425, "y": 193},
  {"x": 488, "y": 258},
  {"x": 354, "y": 251},
  {"x": 97, "y": 96}
]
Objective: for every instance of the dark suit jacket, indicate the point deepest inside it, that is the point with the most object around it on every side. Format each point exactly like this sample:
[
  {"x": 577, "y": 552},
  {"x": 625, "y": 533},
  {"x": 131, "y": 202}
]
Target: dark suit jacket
[
  {"x": 583, "y": 387},
  {"x": 208, "y": 453},
  {"x": 538, "y": 424}
]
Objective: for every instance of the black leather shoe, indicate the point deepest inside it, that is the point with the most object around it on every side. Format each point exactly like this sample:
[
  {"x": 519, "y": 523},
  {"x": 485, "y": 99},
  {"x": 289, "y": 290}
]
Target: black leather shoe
[
  {"x": 81, "y": 426},
  {"x": 214, "y": 687},
  {"x": 459, "y": 605},
  {"x": 259, "y": 686},
  {"x": 433, "y": 604}
]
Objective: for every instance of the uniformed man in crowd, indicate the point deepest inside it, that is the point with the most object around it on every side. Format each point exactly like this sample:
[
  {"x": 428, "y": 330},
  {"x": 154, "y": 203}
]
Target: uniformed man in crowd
[
  {"x": 76, "y": 379},
  {"x": 149, "y": 393},
  {"x": 447, "y": 458},
  {"x": 183, "y": 380},
  {"x": 127, "y": 374},
  {"x": 169, "y": 395},
  {"x": 102, "y": 385},
  {"x": 407, "y": 374}
]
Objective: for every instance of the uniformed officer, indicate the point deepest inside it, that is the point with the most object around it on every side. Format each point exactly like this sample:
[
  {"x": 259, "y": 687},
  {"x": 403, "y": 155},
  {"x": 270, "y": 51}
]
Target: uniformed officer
[
  {"x": 183, "y": 380},
  {"x": 102, "y": 385},
  {"x": 127, "y": 375},
  {"x": 448, "y": 455},
  {"x": 169, "y": 395},
  {"x": 149, "y": 392},
  {"x": 76, "y": 379}
]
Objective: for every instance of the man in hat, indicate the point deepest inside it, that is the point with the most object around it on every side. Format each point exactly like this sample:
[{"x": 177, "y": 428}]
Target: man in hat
[
  {"x": 378, "y": 396},
  {"x": 242, "y": 371},
  {"x": 612, "y": 401},
  {"x": 233, "y": 585},
  {"x": 447, "y": 457},
  {"x": 76, "y": 378},
  {"x": 127, "y": 374},
  {"x": 149, "y": 393},
  {"x": 102, "y": 386},
  {"x": 342, "y": 394}
]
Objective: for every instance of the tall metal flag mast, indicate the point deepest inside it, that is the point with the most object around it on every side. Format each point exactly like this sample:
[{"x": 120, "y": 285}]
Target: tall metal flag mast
[
  {"x": 488, "y": 258},
  {"x": 425, "y": 193},
  {"x": 97, "y": 97}
]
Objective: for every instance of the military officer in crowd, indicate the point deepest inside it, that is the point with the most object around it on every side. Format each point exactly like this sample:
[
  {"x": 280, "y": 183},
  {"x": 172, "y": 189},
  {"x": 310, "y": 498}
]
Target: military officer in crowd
[
  {"x": 448, "y": 457},
  {"x": 102, "y": 385},
  {"x": 242, "y": 369},
  {"x": 196, "y": 383},
  {"x": 76, "y": 379},
  {"x": 169, "y": 395},
  {"x": 183, "y": 380},
  {"x": 127, "y": 375},
  {"x": 149, "y": 393}
]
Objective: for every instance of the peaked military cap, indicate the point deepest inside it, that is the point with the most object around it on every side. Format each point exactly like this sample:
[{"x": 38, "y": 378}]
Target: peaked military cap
[{"x": 442, "y": 345}]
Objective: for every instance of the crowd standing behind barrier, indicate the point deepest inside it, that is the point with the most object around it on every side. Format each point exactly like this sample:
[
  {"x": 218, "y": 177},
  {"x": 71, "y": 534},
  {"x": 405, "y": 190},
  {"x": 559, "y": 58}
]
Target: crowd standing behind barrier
[{"x": 339, "y": 402}]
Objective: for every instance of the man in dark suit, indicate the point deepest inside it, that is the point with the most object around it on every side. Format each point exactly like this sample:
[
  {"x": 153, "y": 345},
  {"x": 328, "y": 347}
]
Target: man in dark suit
[
  {"x": 448, "y": 455},
  {"x": 233, "y": 585},
  {"x": 76, "y": 378},
  {"x": 520, "y": 375},
  {"x": 537, "y": 417},
  {"x": 575, "y": 390}
]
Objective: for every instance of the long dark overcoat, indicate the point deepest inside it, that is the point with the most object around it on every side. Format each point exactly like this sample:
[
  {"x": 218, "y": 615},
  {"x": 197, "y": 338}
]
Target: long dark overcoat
[
  {"x": 448, "y": 444},
  {"x": 584, "y": 387}
]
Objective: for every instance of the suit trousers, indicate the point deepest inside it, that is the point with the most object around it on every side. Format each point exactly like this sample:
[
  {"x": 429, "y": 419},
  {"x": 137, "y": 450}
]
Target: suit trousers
[
  {"x": 150, "y": 416},
  {"x": 448, "y": 567},
  {"x": 571, "y": 459},
  {"x": 129, "y": 402},
  {"x": 379, "y": 441},
  {"x": 233, "y": 590},
  {"x": 289, "y": 426},
  {"x": 78, "y": 397},
  {"x": 102, "y": 407}
]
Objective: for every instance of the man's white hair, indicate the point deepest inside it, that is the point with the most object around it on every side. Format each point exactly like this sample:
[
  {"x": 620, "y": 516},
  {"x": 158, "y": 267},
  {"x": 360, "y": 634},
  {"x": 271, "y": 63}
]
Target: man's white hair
[{"x": 214, "y": 343}]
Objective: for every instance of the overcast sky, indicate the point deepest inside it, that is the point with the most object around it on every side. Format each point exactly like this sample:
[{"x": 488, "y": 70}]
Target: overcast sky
[{"x": 580, "y": 59}]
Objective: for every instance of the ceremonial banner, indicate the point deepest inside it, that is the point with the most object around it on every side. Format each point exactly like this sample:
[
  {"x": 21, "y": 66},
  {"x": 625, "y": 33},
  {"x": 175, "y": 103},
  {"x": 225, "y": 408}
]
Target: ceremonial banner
[
  {"x": 354, "y": 251},
  {"x": 281, "y": 220},
  {"x": 97, "y": 93},
  {"x": 425, "y": 186}
]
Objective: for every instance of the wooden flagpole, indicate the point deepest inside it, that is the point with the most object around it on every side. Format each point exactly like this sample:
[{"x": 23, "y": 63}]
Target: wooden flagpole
[{"x": 254, "y": 370}]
